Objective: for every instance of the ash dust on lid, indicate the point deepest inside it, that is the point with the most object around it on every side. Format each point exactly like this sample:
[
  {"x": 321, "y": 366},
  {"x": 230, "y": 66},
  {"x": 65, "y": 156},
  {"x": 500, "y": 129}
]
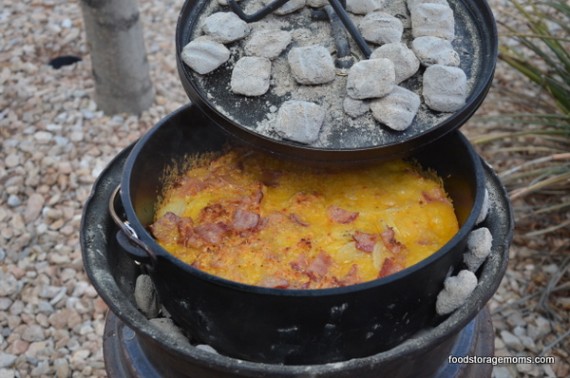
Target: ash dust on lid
[{"x": 339, "y": 131}]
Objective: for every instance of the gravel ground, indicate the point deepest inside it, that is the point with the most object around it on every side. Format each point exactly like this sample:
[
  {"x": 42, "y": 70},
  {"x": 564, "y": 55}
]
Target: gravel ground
[{"x": 54, "y": 143}]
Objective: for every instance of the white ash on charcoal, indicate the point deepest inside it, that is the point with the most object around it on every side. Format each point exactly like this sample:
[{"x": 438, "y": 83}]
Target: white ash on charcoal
[
  {"x": 455, "y": 292},
  {"x": 267, "y": 43},
  {"x": 364, "y": 6},
  {"x": 484, "y": 208},
  {"x": 435, "y": 20},
  {"x": 225, "y": 27},
  {"x": 414, "y": 3},
  {"x": 355, "y": 108},
  {"x": 381, "y": 28},
  {"x": 444, "y": 88},
  {"x": 406, "y": 64},
  {"x": 289, "y": 7},
  {"x": 250, "y": 76},
  {"x": 300, "y": 121},
  {"x": 371, "y": 79},
  {"x": 146, "y": 296},
  {"x": 302, "y": 51},
  {"x": 479, "y": 244},
  {"x": 317, "y": 3},
  {"x": 168, "y": 326},
  {"x": 311, "y": 65},
  {"x": 396, "y": 110},
  {"x": 434, "y": 50},
  {"x": 204, "y": 55}
]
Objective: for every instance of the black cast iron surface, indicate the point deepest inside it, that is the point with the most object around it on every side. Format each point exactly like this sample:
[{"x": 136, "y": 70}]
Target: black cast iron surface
[
  {"x": 113, "y": 275},
  {"x": 133, "y": 355},
  {"x": 475, "y": 41},
  {"x": 292, "y": 326}
]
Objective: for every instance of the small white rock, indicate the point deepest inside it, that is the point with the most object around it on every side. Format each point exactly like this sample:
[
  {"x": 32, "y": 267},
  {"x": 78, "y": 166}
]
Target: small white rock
[
  {"x": 250, "y": 76},
  {"x": 406, "y": 64},
  {"x": 311, "y": 65},
  {"x": 434, "y": 20},
  {"x": 444, "y": 88},
  {"x": 371, "y": 78},
  {"x": 225, "y": 27},
  {"x": 299, "y": 121},
  {"x": 455, "y": 292},
  {"x": 381, "y": 28},
  {"x": 396, "y": 110},
  {"x": 479, "y": 243},
  {"x": 267, "y": 43},
  {"x": 204, "y": 55},
  {"x": 435, "y": 50}
]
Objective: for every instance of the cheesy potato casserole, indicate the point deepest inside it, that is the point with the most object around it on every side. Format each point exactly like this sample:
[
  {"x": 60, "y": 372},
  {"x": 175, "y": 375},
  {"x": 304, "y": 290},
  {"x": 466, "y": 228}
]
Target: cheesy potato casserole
[{"x": 251, "y": 218}]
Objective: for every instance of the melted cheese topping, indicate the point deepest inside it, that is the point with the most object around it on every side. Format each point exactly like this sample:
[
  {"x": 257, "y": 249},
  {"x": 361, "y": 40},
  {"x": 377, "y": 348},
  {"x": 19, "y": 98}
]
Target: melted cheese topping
[{"x": 257, "y": 220}]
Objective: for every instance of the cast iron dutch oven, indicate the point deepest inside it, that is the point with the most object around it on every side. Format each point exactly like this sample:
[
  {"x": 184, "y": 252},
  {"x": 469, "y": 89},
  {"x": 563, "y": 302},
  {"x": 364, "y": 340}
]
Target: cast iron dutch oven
[
  {"x": 291, "y": 326},
  {"x": 475, "y": 42}
]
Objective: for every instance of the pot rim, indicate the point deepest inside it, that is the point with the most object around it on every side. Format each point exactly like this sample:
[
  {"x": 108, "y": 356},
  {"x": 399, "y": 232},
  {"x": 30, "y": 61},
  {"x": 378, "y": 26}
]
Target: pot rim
[{"x": 161, "y": 253}]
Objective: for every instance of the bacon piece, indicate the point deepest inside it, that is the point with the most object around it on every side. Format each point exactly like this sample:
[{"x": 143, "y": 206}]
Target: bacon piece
[
  {"x": 390, "y": 266},
  {"x": 389, "y": 240},
  {"x": 190, "y": 185},
  {"x": 188, "y": 236},
  {"x": 211, "y": 232},
  {"x": 163, "y": 227},
  {"x": 274, "y": 282},
  {"x": 341, "y": 215},
  {"x": 212, "y": 213},
  {"x": 301, "y": 264},
  {"x": 295, "y": 218},
  {"x": 435, "y": 195},
  {"x": 320, "y": 265},
  {"x": 364, "y": 241},
  {"x": 244, "y": 220},
  {"x": 351, "y": 277},
  {"x": 270, "y": 177}
]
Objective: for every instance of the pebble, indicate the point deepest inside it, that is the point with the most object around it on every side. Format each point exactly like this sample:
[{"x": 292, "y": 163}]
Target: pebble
[
  {"x": 34, "y": 207},
  {"x": 372, "y": 78},
  {"x": 311, "y": 65},
  {"x": 250, "y": 76}
]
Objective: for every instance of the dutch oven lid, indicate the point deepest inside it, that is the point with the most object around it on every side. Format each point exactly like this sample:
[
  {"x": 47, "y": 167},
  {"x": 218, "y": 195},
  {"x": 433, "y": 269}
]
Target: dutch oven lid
[{"x": 341, "y": 138}]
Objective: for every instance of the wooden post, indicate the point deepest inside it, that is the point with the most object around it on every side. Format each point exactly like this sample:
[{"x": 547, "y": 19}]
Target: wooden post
[{"x": 118, "y": 56}]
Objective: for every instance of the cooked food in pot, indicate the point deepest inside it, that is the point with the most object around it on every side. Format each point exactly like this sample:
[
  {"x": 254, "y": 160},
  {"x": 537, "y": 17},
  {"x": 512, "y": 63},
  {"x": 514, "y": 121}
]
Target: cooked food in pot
[{"x": 251, "y": 218}]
